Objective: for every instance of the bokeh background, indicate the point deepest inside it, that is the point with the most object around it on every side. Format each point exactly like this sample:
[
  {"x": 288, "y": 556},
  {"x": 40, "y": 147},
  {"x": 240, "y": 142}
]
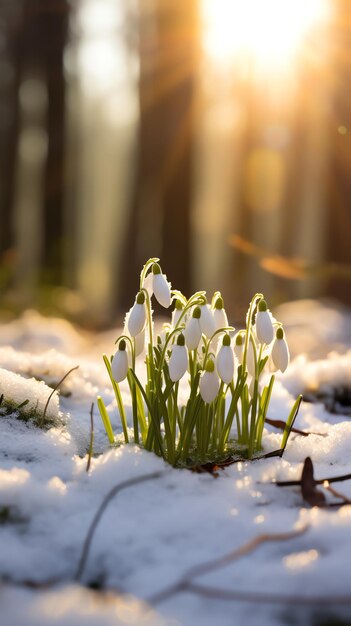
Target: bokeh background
[{"x": 215, "y": 134}]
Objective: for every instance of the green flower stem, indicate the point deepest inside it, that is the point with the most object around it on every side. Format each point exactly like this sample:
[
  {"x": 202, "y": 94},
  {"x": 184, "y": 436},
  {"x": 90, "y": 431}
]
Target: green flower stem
[
  {"x": 145, "y": 269},
  {"x": 196, "y": 300},
  {"x": 153, "y": 417},
  {"x": 253, "y": 419},
  {"x": 149, "y": 316},
  {"x": 105, "y": 419},
  {"x": 264, "y": 403},
  {"x": 254, "y": 302},
  {"x": 233, "y": 409},
  {"x": 132, "y": 386}
]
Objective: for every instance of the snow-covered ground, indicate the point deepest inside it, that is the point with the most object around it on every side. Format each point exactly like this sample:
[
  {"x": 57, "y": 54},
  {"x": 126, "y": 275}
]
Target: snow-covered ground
[{"x": 151, "y": 534}]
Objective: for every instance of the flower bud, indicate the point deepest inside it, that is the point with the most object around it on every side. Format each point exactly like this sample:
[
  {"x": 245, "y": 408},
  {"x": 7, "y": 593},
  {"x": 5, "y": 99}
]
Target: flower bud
[
  {"x": 280, "y": 351},
  {"x": 207, "y": 322},
  {"x": 119, "y": 363},
  {"x": 140, "y": 343},
  {"x": 209, "y": 383},
  {"x": 219, "y": 314},
  {"x": 225, "y": 361},
  {"x": 193, "y": 330},
  {"x": 178, "y": 361},
  {"x": 136, "y": 318},
  {"x": 177, "y": 312},
  {"x": 161, "y": 287},
  {"x": 264, "y": 326},
  {"x": 239, "y": 347}
]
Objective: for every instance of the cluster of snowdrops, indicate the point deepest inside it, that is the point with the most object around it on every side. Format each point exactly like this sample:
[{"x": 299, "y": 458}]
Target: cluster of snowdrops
[{"x": 227, "y": 402}]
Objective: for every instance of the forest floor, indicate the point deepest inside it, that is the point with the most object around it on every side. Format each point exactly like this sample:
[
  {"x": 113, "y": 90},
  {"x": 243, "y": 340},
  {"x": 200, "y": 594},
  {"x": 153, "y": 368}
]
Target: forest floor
[{"x": 178, "y": 547}]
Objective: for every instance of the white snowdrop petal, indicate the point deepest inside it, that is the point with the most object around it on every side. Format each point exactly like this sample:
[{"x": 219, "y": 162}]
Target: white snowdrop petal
[
  {"x": 162, "y": 290},
  {"x": 209, "y": 386},
  {"x": 280, "y": 354},
  {"x": 192, "y": 333},
  {"x": 225, "y": 364},
  {"x": 264, "y": 327},
  {"x": 148, "y": 283},
  {"x": 220, "y": 318},
  {"x": 175, "y": 317},
  {"x": 207, "y": 322},
  {"x": 140, "y": 343},
  {"x": 238, "y": 351},
  {"x": 119, "y": 365},
  {"x": 178, "y": 362},
  {"x": 136, "y": 319},
  {"x": 250, "y": 359}
]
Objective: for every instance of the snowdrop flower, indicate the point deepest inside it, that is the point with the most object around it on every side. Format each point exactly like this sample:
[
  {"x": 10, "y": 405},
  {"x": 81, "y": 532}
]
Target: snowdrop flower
[
  {"x": 209, "y": 383},
  {"x": 177, "y": 312},
  {"x": 239, "y": 347},
  {"x": 207, "y": 322},
  {"x": 139, "y": 342},
  {"x": 136, "y": 318},
  {"x": 280, "y": 351},
  {"x": 119, "y": 364},
  {"x": 178, "y": 361},
  {"x": 160, "y": 286},
  {"x": 239, "y": 352},
  {"x": 147, "y": 284},
  {"x": 225, "y": 361},
  {"x": 263, "y": 324},
  {"x": 193, "y": 330},
  {"x": 219, "y": 314}
]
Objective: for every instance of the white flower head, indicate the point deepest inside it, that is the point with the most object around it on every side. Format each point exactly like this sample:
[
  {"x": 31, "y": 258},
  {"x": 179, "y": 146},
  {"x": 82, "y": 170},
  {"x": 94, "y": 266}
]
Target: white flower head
[
  {"x": 207, "y": 323},
  {"x": 136, "y": 318},
  {"x": 219, "y": 314},
  {"x": 209, "y": 382},
  {"x": 140, "y": 342},
  {"x": 177, "y": 312},
  {"x": 147, "y": 284},
  {"x": 239, "y": 347},
  {"x": 263, "y": 324},
  {"x": 225, "y": 361},
  {"x": 178, "y": 361},
  {"x": 239, "y": 352},
  {"x": 119, "y": 363},
  {"x": 193, "y": 330},
  {"x": 160, "y": 286},
  {"x": 280, "y": 351}
]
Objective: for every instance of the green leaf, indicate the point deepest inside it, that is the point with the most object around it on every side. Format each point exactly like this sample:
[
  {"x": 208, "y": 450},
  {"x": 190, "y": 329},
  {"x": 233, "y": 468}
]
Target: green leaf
[{"x": 106, "y": 420}]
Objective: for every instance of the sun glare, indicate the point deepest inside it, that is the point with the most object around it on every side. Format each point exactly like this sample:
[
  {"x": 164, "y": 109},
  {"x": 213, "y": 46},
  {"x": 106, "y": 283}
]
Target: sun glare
[{"x": 270, "y": 33}]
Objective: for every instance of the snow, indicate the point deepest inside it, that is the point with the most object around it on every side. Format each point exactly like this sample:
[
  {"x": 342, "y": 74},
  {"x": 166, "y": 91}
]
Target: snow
[{"x": 151, "y": 534}]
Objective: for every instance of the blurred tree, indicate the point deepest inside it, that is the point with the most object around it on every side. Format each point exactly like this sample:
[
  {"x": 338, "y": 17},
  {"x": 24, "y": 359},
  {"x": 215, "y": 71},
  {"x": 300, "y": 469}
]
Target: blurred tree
[
  {"x": 338, "y": 225},
  {"x": 159, "y": 222},
  {"x": 10, "y": 25},
  {"x": 45, "y": 26}
]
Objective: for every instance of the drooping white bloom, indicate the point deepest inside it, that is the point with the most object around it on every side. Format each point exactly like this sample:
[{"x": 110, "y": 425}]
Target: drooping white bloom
[
  {"x": 239, "y": 347},
  {"x": 239, "y": 352},
  {"x": 160, "y": 286},
  {"x": 219, "y": 314},
  {"x": 140, "y": 342},
  {"x": 136, "y": 318},
  {"x": 280, "y": 351},
  {"x": 178, "y": 361},
  {"x": 209, "y": 383},
  {"x": 207, "y": 323},
  {"x": 193, "y": 330},
  {"x": 225, "y": 361},
  {"x": 119, "y": 363},
  {"x": 177, "y": 312},
  {"x": 263, "y": 324},
  {"x": 147, "y": 284}
]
